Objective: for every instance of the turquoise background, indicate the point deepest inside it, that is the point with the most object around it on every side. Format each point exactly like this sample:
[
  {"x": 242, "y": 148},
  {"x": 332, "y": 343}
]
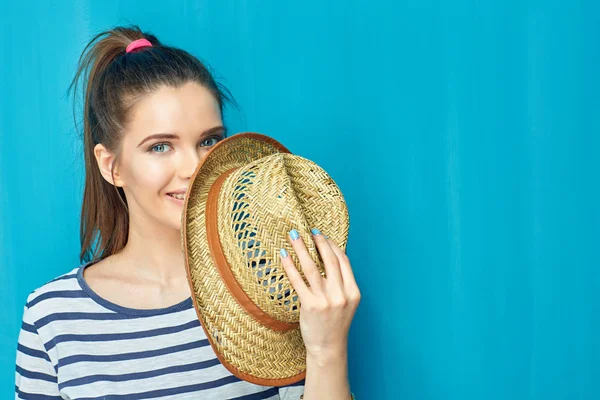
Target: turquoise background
[{"x": 465, "y": 136}]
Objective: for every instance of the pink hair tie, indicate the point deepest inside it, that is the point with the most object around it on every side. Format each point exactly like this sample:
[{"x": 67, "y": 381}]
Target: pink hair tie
[{"x": 136, "y": 44}]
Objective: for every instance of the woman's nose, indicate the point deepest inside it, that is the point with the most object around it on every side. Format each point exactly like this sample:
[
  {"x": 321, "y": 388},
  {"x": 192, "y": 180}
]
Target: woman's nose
[{"x": 189, "y": 163}]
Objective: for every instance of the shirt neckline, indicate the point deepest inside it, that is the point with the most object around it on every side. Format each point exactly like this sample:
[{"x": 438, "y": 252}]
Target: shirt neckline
[{"x": 141, "y": 312}]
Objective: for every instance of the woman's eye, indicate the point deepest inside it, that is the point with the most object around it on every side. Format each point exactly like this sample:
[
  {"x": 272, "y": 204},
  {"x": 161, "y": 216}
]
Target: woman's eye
[
  {"x": 159, "y": 148},
  {"x": 164, "y": 147},
  {"x": 216, "y": 139}
]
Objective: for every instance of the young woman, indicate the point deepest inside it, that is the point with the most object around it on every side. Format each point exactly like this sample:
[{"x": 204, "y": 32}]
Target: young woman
[{"x": 122, "y": 325}]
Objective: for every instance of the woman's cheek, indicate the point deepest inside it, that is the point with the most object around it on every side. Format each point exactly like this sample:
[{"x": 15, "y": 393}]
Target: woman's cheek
[{"x": 154, "y": 174}]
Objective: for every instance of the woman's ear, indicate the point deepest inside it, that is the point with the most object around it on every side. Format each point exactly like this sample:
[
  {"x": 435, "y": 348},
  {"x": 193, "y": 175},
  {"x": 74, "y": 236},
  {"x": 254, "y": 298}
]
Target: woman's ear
[{"x": 105, "y": 160}]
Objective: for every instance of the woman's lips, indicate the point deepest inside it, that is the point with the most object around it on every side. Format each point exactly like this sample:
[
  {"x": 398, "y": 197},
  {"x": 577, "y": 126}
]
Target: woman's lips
[{"x": 176, "y": 201}]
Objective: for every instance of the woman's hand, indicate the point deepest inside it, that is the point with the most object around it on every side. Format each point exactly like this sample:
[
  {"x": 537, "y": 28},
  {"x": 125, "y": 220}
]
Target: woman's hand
[{"x": 328, "y": 303}]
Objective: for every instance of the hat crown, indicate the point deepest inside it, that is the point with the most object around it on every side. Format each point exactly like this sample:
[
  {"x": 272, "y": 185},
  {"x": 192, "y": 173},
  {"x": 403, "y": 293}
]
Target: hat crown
[{"x": 258, "y": 204}]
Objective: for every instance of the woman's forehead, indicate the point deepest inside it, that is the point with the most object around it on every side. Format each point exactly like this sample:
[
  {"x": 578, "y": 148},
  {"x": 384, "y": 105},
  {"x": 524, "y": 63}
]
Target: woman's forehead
[{"x": 187, "y": 108}]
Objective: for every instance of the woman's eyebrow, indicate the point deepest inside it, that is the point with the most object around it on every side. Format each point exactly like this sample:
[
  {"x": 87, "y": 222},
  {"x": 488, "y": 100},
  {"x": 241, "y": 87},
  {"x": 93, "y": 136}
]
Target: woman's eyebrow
[{"x": 174, "y": 136}]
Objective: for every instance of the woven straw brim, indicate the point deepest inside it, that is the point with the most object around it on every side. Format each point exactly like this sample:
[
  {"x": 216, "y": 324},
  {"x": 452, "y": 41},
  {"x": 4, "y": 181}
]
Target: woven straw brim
[{"x": 248, "y": 349}]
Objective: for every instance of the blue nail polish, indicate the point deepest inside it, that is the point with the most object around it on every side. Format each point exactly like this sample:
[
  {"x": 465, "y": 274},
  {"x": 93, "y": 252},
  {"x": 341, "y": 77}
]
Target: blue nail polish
[
  {"x": 283, "y": 253},
  {"x": 326, "y": 237},
  {"x": 315, "y": 231},
  {"x": 294, "y": 234}
]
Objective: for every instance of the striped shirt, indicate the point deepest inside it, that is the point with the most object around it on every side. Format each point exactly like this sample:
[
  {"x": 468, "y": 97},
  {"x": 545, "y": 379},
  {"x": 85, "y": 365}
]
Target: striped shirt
[{"x": 73, "y": 344}]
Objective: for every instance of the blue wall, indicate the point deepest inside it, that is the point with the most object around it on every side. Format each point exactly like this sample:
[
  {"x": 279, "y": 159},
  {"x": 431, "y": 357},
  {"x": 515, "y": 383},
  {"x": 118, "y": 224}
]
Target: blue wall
[{"x": 465, "y": 136}]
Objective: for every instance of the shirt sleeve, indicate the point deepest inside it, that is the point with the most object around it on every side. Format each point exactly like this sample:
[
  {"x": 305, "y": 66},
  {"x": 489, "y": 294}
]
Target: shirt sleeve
[
  {"x": 35, "y": 376},
  {"x": 291, "y": 392}
]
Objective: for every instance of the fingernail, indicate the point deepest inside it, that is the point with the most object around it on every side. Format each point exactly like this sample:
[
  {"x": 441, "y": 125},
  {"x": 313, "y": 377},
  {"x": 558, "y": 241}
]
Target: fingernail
[
  {"x": 326, "y": 237},
  {"x": 294, "y": 234},
  {"x": 315, "y": 231},
  {"x": 283, "y": 253}
]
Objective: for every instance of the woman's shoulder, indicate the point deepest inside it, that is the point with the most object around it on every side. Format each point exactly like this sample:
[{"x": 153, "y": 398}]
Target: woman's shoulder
[{"x": 65, "y": 285}]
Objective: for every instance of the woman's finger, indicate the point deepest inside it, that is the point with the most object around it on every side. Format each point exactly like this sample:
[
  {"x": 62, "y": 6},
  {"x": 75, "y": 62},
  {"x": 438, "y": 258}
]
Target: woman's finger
[
  {"x": 308, "y": 265},
  {"x": 329, "y": 257},
  {"x": 293, "y": 275},
  {"x": 345, "y": 270}
]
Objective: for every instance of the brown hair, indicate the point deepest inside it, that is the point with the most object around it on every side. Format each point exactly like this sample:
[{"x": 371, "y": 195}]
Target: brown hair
[{"x": 114, "y": 81}]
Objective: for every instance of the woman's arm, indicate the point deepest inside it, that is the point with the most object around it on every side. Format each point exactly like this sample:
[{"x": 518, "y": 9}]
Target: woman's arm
[
  {"x": 328, "y": 304},
  {"x": 327, "y": 377},
  {"x": 35, "y": 376}
]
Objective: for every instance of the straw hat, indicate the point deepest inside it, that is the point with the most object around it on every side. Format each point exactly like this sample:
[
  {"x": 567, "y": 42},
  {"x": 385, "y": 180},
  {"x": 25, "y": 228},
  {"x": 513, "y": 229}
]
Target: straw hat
[{"x": 244, "y": 198}]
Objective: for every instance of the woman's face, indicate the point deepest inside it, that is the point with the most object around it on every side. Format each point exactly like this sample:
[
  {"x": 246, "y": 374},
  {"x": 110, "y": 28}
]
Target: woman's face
[{"x": 169, "y": 133}]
